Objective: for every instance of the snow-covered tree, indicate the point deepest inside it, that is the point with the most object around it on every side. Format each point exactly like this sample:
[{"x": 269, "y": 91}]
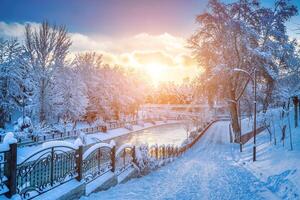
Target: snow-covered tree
[
  {"x": 244, "y": 35},
  {"x": 46, "y": 49},
  {"x": 111, "y": 90},
  {"x": 73, "y": 95},
  {"x": 87, "y": 66},
  {"x": 13, "y": 79}
]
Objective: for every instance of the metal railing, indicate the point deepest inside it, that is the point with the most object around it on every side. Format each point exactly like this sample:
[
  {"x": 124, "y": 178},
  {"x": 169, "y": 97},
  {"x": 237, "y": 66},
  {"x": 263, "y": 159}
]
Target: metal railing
[
  {"x": 56, "y": 135},
  {"x": 61, "y": 162}
]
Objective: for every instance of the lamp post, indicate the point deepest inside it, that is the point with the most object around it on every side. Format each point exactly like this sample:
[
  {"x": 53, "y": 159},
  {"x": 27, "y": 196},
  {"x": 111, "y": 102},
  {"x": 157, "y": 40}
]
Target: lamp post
[{"x": 253, "y": 78}]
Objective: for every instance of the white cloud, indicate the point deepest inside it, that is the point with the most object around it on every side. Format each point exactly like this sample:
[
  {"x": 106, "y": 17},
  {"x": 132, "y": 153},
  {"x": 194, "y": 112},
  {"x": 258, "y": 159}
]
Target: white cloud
[
  {"x": 140, "y": 50},
  {"x": 14, "y": 30}
]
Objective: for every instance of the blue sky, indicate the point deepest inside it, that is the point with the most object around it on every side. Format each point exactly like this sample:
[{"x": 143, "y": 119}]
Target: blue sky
[{"x": 111, "y": 17}]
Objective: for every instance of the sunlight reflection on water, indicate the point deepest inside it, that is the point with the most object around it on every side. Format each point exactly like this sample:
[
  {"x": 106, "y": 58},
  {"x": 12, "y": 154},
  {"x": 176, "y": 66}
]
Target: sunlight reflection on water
[{"x": 165, "y": 134}]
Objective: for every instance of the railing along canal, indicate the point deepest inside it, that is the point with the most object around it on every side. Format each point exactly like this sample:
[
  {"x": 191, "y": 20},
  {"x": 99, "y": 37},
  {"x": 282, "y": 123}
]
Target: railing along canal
[
  {"x": 57, "y": 135},
  {"x": 58, "y": 162}
]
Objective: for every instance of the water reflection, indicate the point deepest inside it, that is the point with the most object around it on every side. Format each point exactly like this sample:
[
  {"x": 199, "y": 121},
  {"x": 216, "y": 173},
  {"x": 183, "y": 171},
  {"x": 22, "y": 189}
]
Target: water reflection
[{"x": 164, "y": 134}]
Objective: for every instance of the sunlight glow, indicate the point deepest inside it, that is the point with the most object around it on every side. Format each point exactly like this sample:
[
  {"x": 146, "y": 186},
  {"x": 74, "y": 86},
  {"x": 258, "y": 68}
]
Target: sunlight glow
[{"x": 157, "y": 72}]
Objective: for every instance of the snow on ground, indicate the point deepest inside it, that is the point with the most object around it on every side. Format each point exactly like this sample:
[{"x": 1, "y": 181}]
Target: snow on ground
[
  {"x": 24, "y": 152},
  {"x": 276, "y": 165},
  {"x": 207, "y": 171}
]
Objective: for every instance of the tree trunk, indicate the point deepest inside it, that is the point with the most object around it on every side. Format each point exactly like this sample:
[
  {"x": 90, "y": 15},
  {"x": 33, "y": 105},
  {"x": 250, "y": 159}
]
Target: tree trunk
[
  {"x": 268, "y": 96},
  {"x": 289, "y": 123},
  {"x": 298, "y": 109},
  {"x": 235, "y": 121},
  {"x": 2, "y": 118},
  {"x": 42, "y": 102},
  {"x": 296, "y": 101}
]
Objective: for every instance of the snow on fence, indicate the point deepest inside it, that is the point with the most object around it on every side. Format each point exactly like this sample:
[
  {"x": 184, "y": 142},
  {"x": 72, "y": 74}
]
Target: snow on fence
[
  {"x": 57, "y": 135},
  {"x": 58, "y": 162},
  {"x": 46, "y": 169},
  {"x": 125, "y": 157},
  {"x": 98, "y": 160}
]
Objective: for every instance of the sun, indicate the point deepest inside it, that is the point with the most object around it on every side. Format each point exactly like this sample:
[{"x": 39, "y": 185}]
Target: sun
[{"x": 156, "y": 72}]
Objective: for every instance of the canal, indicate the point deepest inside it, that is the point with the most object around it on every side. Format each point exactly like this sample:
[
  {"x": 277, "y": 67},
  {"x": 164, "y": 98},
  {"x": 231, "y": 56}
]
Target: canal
[{"x": 173, "y": 134}]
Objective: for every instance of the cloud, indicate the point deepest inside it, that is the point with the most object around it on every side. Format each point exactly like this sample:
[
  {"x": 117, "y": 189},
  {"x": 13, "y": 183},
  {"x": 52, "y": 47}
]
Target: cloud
[
  {"x": 154, "y": 57},
  {"x": 188, "y": 61},
  {"x": 140, "y": 50},
  {"x": 14, "y": 30}
]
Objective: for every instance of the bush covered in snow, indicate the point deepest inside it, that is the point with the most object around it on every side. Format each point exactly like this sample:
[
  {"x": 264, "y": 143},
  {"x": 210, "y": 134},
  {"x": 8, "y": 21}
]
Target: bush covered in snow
[
  {"x": 129, "y": 126},
  {"x": 23, "y": 124},
  {"x": 144, "y": 161}
]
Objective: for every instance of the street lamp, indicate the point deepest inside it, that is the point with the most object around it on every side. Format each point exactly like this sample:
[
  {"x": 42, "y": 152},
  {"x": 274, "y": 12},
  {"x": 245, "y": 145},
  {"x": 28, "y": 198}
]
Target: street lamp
[{"x": 253, "y": 78}]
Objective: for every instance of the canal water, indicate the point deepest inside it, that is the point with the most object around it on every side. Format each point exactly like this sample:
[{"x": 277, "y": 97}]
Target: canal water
[{"x": 173, "y": 134}]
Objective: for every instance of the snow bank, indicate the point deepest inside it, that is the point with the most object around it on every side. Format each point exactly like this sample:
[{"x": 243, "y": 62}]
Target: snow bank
[{"x": 277, "y": 165}]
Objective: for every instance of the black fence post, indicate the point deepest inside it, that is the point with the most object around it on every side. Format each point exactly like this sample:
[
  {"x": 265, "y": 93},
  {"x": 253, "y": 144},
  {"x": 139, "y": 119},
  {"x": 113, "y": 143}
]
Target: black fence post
[
  {"x": 11, "y": 169},
  {"x": 167, "y": 151},
  {"x": 79, "y": 163},
  {"x": 113, "y": 158},
  {"x": 134, "y": 155}
]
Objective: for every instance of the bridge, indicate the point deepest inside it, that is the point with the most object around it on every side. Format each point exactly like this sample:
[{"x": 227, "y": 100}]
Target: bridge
[{"x": 183, "y": 110}]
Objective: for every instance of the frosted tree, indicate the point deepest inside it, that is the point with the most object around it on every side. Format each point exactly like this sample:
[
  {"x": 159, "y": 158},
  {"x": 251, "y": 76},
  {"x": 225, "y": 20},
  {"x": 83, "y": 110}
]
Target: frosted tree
[
  {"x": 46, "y": 48},
  {"x": 243, "y": 35},
  {"x": 88, "y": 67},
  {"x": 112, "y": 90},
  {"x": 73, "y": 95},
  {"x": 13, "y": 79}
]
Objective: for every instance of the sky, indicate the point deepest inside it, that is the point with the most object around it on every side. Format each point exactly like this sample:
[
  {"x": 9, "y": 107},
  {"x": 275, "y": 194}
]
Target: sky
[{"x": 150, "y": 34}]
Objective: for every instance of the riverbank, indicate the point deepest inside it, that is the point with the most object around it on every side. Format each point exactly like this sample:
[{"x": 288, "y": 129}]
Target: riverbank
[
  {"x": 24, "y": 152},
  {"x": 206, "y": 171}
]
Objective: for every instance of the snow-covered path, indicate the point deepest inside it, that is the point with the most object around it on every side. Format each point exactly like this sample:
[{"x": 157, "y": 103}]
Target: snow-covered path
[{"x": 207, "y": 171}]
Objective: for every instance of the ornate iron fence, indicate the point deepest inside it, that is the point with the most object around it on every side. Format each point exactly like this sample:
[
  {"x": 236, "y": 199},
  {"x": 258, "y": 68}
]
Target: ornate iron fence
[
  {"x": 60, "y": 135},
  {"x": 46, "y": 169},
  {"x": 60, "y": 162},
  {"x": 163, "y": 152},
  {"x": 98, "y": 160},
  {"x": 4, "y": 158},
  {"x": 125, "y": 157}
]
